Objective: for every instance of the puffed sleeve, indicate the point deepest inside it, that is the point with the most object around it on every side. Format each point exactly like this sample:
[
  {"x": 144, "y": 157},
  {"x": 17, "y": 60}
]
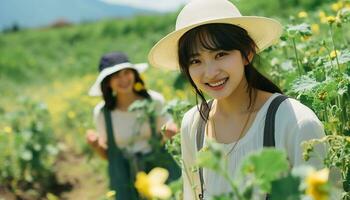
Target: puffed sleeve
[{"x": 304, "y": 130}]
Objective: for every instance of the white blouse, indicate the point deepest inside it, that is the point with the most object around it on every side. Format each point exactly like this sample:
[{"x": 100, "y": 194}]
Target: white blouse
[
  {"x": 128, "y": 133},
  {"x": 294, "y": 124}
]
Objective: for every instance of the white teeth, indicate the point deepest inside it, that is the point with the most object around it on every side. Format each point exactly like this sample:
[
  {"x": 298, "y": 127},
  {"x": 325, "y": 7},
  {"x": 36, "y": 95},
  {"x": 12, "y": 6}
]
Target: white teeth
[{"x": 217, "y": 83}]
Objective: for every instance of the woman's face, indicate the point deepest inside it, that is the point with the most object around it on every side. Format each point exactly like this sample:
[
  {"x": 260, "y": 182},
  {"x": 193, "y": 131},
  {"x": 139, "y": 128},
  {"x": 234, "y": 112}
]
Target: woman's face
[
  {"x": 123, "y": 81},
  {"x": 217, "y": 73}
]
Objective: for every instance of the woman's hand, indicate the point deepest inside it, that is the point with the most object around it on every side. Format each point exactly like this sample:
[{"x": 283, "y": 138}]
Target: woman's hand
[
  {"x": 169, "y": 130},
  {"x": 93, "y": 140}
]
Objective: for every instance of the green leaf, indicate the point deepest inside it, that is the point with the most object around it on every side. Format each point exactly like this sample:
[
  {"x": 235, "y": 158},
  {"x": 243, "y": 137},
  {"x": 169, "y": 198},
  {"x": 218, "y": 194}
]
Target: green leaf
[
  {"x": 265, "y": 166},
  {"x": 302, "y": 29},
  {"x": 286, "y": 188},
  {"x": 304, "y": 84}
]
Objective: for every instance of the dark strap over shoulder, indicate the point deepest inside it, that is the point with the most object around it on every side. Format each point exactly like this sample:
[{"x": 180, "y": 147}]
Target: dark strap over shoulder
[
  {"x": 201, "y": 127},
  {"x": 269, "y": 129},
  {"x": 200, "y": 141},
  {"x": 109, "y": 128},
  {"x": 269, "y": 132}
]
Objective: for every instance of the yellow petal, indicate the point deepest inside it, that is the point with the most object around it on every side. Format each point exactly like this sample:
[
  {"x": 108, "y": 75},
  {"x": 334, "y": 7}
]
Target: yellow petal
[
  {"x": 142, "y": 184},
  {"x": 302, "y": 14},
  {"x": 158, "y": 175},
  {"x": 161, "y": 191}
]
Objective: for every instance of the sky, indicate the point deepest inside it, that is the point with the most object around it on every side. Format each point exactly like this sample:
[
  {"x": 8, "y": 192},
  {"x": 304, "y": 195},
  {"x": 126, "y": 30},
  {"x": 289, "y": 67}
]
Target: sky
[{"x": 159, "y": 5}]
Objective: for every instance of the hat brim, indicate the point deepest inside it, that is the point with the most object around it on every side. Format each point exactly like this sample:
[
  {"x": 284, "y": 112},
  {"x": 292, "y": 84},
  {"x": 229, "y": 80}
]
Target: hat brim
[
  {"x": 264, "y": 31},
  {"x": 95, "y": 90}
]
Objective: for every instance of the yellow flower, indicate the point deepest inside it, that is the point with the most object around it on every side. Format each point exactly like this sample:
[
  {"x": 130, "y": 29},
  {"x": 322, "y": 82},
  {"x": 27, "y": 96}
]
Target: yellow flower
[
  {"x": 337, "y": 6},
  {"x": 305, "y": 38},
  {"x": 8, "y": 129},
  {"x": 334, "y": 54},
  {"x": 322, "y": 49},
  {"x": 138, "y": 86},
  {"x": 331, "y": 19},
  {"x": 316, "y": 183},
  {"x": 71, "y": 115},
  {"x": 110, "y": 194},
  {"x": 315, "y": 28},
  {"x": 347, "y": 138},
  {"x": 302, "y": 14},
  {"x": 152, "y": 185}
]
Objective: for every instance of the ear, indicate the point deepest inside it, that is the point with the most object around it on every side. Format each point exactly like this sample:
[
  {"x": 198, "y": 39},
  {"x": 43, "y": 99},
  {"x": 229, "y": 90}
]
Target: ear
[{"x": 250, "y": 58}]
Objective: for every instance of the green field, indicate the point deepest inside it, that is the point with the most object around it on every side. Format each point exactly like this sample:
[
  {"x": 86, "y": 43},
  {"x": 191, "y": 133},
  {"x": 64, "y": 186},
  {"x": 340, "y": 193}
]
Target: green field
[{"x": 45, "y": 74}]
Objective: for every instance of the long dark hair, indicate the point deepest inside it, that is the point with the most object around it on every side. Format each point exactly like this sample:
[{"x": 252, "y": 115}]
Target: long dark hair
[
  {"x": 225, "y": 37},
  {"x": 111, "y": 99}
]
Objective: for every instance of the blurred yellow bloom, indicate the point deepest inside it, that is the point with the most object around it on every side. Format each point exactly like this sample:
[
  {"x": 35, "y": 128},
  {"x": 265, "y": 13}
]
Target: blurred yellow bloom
[
  {"x": 152, "y": 185},
  {"x": 180, "y": 94},
  {"x": 347, "y": 138},
  {"x": 315, "y": 28},
  {"x": 305, "y": 38},
  {"x": 323, "y": 17},
  {"x": 302, "y": 14},
  {"x": 334, "y": 54},
  {"x": 331, "y": 19},
  {"x": 322, "y": 49},
  {"x": 138, "y": 86},
  {"x": 337, "y": 6},
  {"x": 110, "y": 194},
  {"x": 71, "y": 115},
  {"x": 316, "y": 183},
  {"x": 8, "y": 129}
]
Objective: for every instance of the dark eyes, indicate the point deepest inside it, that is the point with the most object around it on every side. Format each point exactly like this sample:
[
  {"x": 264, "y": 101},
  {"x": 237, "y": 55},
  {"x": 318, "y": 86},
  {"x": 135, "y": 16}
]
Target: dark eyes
[
  {"x": 194, "y": 61},
  {"x": 220, "y": 54}
]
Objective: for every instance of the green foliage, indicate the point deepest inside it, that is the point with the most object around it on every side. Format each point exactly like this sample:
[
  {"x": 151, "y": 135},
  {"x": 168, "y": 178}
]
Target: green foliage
[
  {"x": 266, "y": 166},
  {"x": 28, "y": 149}
]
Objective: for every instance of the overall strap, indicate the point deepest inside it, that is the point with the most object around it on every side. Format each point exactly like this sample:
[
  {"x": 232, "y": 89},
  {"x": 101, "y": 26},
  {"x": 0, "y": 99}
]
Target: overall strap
[
  {"x": 269, "y": 132},
  {"x": 109, "y": 128},
  {"x": 200, "y": 142},
  {"x": 269, "y": 129}
]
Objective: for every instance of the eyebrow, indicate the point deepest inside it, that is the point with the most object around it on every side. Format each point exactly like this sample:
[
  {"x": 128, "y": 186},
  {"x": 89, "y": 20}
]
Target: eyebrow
[{"x": 194, "y": 55}]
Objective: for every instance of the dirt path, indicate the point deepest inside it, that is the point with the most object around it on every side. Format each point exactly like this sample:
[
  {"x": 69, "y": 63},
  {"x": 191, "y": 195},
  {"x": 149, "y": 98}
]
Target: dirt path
[{"x": 87, "y": 178}]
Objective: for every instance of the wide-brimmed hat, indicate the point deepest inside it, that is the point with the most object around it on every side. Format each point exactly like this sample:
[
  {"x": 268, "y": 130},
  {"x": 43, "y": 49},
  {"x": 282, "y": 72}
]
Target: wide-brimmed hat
[
  {"x": 111, "y": 63},
  {"x": 264, "y": 31}
]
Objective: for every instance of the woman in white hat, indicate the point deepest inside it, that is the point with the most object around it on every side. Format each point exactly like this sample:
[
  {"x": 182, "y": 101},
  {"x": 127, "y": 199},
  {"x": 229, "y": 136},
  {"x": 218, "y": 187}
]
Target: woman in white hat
[
  {"x": 214, "y": 47},
  {"x": 121, "y": 138}
]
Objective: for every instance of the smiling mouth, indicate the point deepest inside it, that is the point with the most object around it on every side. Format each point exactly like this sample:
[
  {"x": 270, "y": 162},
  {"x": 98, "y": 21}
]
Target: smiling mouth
[{"x": 217, "y": 84}]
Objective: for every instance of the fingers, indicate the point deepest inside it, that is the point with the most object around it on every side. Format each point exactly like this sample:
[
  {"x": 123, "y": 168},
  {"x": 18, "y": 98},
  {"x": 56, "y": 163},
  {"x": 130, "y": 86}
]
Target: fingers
[{"x": 91, "y": 137}]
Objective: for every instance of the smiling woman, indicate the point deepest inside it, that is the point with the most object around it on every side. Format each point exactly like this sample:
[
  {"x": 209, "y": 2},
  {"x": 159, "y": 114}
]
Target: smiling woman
[
  {"x": 125, "y": 141},
  {"x": 215, "y": 50}
]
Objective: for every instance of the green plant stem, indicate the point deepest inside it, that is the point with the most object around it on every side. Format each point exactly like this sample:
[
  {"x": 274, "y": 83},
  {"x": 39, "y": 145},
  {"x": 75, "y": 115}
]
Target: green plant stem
[
  {"x": 334, "y": 48},
  {"x": 232, "y": 183},
  {"x": 325, "y": 113},
  {"x": 296, "y": 56}
]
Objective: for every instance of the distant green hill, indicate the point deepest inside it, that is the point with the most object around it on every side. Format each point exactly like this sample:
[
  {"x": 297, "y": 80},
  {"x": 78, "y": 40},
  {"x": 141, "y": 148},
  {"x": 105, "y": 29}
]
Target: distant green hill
[{"x": 37, "y": 56}]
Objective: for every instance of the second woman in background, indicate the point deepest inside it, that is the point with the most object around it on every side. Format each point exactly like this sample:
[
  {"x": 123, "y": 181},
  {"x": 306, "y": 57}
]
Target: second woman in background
[{"x": 123, "y": 137}]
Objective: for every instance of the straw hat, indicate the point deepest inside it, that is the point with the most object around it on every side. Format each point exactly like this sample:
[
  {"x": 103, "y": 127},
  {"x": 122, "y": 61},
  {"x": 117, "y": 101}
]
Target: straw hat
[
  {"x": 111, "y": 63},
  {"x": 264, "y": 31}
]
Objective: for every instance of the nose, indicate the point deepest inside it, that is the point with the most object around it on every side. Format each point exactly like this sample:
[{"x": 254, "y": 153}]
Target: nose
[{"x": 211, "y": 70}]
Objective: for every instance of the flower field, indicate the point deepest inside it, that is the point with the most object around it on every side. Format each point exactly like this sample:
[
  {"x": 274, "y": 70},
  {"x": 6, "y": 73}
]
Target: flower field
[{"x": 45, "y": 110}]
